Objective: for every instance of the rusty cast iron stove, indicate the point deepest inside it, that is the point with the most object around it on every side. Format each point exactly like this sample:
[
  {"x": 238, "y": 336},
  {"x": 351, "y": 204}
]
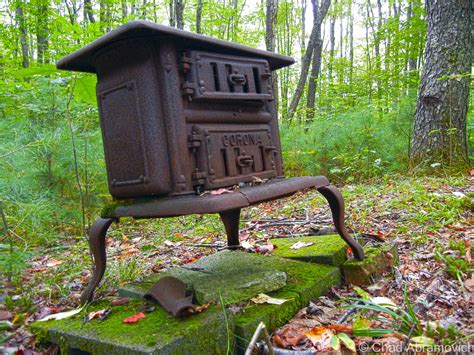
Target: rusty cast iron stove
[{"x": 183, "y": 113}]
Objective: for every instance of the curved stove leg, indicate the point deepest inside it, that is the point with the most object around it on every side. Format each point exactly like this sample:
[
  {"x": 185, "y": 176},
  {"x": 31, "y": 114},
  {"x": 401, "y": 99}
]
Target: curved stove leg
[
  {"x": 231, "y": 223},
  {"x": 97, "y": 248},
  {"x": 336, "y": 203}
]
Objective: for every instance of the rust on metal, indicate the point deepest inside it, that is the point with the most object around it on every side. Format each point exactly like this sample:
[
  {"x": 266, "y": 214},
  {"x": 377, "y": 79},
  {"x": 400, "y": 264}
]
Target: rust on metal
[
  {"x": 170, "y": 293},
  {"x": 182, "y": 114}
]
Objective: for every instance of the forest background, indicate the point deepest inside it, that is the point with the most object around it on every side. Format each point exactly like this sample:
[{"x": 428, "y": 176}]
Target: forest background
[{"x": 351, "y": 119}]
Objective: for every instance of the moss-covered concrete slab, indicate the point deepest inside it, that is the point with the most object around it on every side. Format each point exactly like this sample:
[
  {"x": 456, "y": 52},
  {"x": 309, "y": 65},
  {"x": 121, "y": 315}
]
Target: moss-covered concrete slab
[
  {"x": 306, "y": 281},
  {"x": 377, "y": 261},
  {"x": 326, "y": 249},
  {"x": 211, "y": 332},
  {"x": 233, "y": 276},
  {"x": 158, "y": 333}
]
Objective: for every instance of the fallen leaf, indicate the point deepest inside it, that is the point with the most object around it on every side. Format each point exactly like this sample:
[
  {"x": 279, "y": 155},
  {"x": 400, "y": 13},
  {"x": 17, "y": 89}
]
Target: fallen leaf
[
  {"x": 53, "y": 263},
  {"x": 168, "y": 243},
  {"x": 246, "y": 245},
  {"x": 335, "y": 343},
  {"x": 299, "y": 245},
  {"x": 384, "y": 301},
  {"x": 5, "y": 315},
  {"x": 262, "y": 249},
  {"x": 341, "y": 328},
  {"x": 263, "y": 298},
  {"x": 289, "y": 337},
  {"x": 348, "y": 342},
  {"x": 220, "y": 191},
  {"x": 456, "y": 228},
  {"x": 101, "y": 314},
  {"x": 119, "y": 301},
  {"x": 469, "y": 284},
  {"x": 62, "y": 315},
  {"x": 320, "y": 337},
  {"x": 135, "y": 318},
  {"x": 201, "y": 308}
]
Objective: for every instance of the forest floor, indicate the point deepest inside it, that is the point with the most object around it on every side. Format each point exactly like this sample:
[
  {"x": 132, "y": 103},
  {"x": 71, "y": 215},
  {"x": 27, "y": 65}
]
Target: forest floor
[{"x": 429, "y": 219}]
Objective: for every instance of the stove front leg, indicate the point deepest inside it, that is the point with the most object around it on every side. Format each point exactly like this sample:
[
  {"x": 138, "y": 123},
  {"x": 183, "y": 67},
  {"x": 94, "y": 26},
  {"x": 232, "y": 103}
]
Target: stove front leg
[
  {"x": 231, "y": 221},
  {"x": 97, "y": 247},
  {"x": 336, "y": 203}
]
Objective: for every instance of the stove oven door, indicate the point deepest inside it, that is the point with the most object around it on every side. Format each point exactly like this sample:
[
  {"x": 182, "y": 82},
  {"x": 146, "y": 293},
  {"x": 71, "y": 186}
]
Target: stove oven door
[{"x": 225, "y": 155}]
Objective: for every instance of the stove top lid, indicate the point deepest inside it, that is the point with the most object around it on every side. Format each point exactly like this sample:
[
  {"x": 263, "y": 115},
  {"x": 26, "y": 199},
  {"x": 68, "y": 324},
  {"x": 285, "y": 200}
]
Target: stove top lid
[{"x": 82, "y": 59}]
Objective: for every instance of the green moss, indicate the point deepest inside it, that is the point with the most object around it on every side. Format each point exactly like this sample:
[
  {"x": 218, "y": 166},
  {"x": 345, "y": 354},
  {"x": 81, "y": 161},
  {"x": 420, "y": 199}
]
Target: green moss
[
  {"x": 376, "y": 262},
  {"x": 202, "y": 333},
  {"x": 326, "y": 249},
  {"x": 159, "y": 331}
]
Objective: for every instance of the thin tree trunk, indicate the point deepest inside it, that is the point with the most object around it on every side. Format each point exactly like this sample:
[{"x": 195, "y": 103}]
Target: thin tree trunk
[
  {"x": 303, "y": 28},
  {"x": 179, "y": 7},
  {"x": 315, "y": 34},
  {"x": 124, "y": 10},
  {"x": 42, "y": 32},
  {"x": 316, "y": 64},
  {"x": 88, "y": 12},
  {"x": 171, "y": 9},
  {"x": 199, "y": 16},
  {"x": 351, "y": 45},
  {"x": 332, "y": 45},
  {"x": 270, "y": 39},
  {"x": 25, "y": 48},
  {"x": 439, "y": 132}
]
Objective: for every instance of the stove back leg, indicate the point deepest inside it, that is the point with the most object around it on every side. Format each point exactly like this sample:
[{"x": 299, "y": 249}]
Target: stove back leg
[
  {"x": 336, "y": 203},
  {"x": 231, "y": 221},
  {"x": 97, "y": 247}
]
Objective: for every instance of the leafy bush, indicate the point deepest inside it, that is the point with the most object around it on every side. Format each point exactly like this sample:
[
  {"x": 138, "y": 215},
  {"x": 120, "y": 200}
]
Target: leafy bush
[{"x": 359, "y": 144}]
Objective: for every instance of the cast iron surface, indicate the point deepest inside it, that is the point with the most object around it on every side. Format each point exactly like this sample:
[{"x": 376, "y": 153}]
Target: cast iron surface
[
  {"x": 170, "y": 293},
  {"x": 182, "y": 114},
  {"x": 227, "y": 205}
]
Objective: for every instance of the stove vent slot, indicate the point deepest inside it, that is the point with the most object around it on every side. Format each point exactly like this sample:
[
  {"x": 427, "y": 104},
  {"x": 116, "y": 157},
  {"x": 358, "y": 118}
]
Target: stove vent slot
[{"x": 223, "y": 77}]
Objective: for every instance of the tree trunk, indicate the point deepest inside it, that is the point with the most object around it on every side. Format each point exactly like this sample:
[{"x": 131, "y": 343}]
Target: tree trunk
[
  {"x": 332, "y": 45},
  {"x": 179, "y": 7},
  {"x": 199, "y": 16},
  {"x": 42, "y": 32},
  {"x": 313, "y": 77},
  {"x": 315, "y": 34},
  {"x": 25, "y": 48},
  {"x": 88, "y": 13},
  {"x": 270, "y": 39},
  {"x": 439, "y": 132},
  {"x": 171, "y": 7}
]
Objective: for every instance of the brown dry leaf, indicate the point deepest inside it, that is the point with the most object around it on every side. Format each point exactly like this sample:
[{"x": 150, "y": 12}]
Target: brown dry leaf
[
  {"x": 5, "y": 315},
  {"x": 288, "y": 337},
  {"x": 220, "y": 191},
  {"x": 341, "y": 328},
  {"x": 469, "y": 284},
  {"x": 98, "y": 314},
  {"x": 263, "y": 298},
  {"x": 467, "y": 243},
  {"x": 119, "y": 301},
  {"x": 53, "y": 263},
  {"x": 320, "y": 337},
  {"x": 201, "y": 308}
]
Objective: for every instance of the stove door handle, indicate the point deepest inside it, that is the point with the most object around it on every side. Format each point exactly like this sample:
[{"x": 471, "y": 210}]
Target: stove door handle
[{"x": 244, "y": 160}]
